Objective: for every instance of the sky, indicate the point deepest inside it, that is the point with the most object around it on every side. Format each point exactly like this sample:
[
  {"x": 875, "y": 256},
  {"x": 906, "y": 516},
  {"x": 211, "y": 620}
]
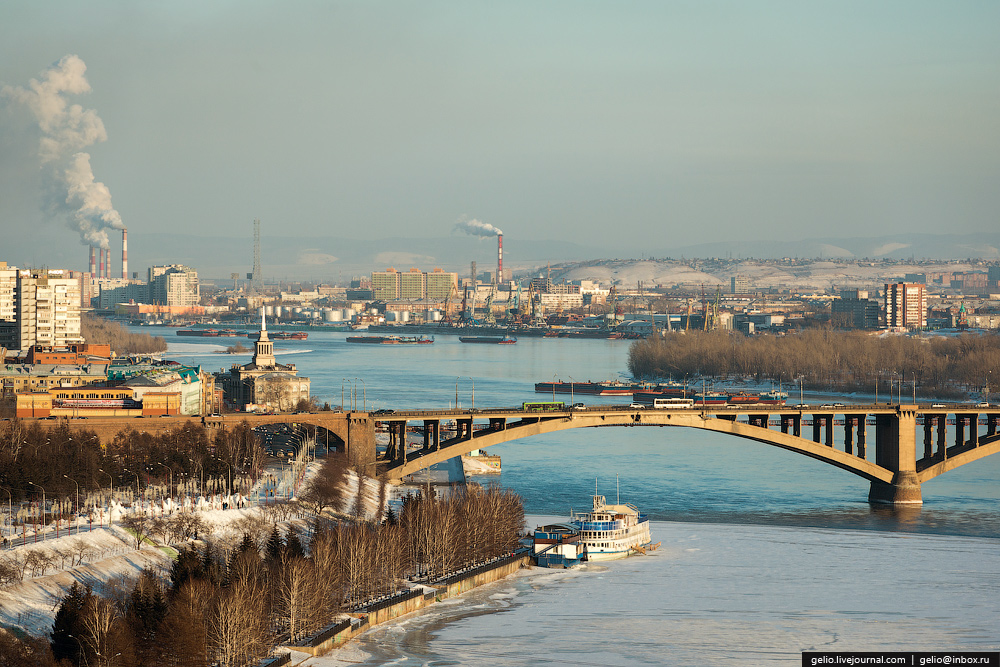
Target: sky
[{"x": 614, "y": 125}]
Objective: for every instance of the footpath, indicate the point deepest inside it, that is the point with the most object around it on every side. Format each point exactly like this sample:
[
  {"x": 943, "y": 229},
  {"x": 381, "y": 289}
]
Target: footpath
[{"x": 362, "y": 619}]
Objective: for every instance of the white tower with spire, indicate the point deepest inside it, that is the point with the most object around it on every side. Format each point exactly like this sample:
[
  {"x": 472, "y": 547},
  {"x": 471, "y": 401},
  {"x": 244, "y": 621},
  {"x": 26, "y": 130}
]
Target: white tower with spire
[{"x": 263, "y": 356}]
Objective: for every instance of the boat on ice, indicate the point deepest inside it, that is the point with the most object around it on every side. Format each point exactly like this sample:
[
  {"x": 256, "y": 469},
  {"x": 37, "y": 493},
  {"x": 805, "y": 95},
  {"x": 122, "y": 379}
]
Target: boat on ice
[{"x": 607, "y": 532}]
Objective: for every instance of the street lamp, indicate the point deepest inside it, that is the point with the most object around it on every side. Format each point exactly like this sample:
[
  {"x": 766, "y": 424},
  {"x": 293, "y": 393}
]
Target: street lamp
[
  {"x": 571, "y": 381},
  {"x": 364, "y": 394},
  {"x": 77, "y": 501},
  {"x": 131, "y": 472},
  {"x": 473, "y": 391},
  {"x": 10, "y": 511},
  {"x": 110, "y": 479},
  {"x": 554, "y": 387},
  {"x": 171, "y": 472},
  {"x": 43, "y": 506}
]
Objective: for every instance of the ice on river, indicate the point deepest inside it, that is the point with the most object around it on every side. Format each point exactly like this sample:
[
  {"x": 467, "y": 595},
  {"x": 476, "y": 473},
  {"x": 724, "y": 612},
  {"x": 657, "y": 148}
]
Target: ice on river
[{"x": 715, "y": 594}]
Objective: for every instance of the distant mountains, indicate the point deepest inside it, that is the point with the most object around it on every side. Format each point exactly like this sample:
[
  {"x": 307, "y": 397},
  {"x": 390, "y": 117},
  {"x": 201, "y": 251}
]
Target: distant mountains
[{"x": 332, "y": 258}]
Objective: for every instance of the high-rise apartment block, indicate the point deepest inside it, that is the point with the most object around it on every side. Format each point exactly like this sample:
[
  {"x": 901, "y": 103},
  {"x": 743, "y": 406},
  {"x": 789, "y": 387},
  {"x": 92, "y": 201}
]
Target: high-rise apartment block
[
  {"x": 174, "y": 285},
  {"x": 905, "y": 306},
  {"x": 390, "y": 285},
  {"x": 739, "y": 284},
  {"x": 38, "y": 308}
]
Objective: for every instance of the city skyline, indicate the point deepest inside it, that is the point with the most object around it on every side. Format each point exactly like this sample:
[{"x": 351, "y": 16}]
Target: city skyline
[{"x": 626, "y": 128}]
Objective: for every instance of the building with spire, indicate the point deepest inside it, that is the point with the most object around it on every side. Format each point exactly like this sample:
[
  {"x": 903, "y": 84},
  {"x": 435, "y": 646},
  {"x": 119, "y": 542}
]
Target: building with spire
[{"x": 263, "y": 385}]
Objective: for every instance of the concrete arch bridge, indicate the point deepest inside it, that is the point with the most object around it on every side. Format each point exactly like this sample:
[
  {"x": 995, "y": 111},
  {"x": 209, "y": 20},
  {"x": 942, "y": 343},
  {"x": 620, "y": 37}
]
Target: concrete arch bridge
[{"x": 876, "y": 442}]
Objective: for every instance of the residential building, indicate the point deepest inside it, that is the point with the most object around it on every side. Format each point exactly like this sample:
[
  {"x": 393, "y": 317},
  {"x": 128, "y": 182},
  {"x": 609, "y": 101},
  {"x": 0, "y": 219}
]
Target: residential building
[
  {"x": 905, "y": 306},
  {"x": 174, "y": 285},
  {"x": 392, "y": 285},
  {"x": 38, "y": 308}
]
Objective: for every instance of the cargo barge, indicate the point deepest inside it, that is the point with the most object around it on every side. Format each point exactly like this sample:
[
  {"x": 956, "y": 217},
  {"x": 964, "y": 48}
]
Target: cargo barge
[
  {"x": 489, "y": 340},
  {"x": 212, "y": 333},
  {"x": 282, "y": 335},
  {"x": 391, "y": 340}
]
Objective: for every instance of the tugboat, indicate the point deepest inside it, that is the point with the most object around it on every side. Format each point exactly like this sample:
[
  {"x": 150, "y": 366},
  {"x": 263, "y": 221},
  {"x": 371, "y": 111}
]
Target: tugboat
[{"x": 607, "y": 532}]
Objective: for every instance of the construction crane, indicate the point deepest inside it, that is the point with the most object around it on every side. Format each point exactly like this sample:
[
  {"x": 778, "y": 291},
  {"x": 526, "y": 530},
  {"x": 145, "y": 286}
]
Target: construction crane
[
  {"x": 704, "y": 309},
  {"x": 715, "y": 308},
  {"x": 453, "y": 292},
  {"x": 490, "y": 319}
]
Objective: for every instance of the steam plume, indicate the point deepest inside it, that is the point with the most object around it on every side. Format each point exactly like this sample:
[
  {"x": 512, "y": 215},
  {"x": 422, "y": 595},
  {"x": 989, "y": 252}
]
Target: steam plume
[
  {"x": 64, "y": 129},
  {"x": 477, "y": 228}
]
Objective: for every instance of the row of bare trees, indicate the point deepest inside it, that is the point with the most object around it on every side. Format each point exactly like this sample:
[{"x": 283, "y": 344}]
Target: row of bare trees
[
  {"x": 230, "y": 607},
  {"x": 123, "y": 342},
  {"x": 63, "y": 461},
  {"x": 825, "y": 359}
]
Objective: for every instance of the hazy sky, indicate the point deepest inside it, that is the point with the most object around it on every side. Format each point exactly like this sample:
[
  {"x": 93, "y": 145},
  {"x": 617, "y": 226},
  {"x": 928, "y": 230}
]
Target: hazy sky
[{"x": 617, "y": 124}]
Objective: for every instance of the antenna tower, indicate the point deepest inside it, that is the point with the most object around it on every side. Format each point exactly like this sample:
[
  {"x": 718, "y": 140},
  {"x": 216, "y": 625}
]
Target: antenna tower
[{"x": 255, "y": 285}]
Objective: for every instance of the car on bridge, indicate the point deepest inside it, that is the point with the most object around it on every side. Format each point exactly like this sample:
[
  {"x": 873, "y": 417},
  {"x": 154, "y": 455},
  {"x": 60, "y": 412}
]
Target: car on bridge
[{"x": 578, "y": 406}]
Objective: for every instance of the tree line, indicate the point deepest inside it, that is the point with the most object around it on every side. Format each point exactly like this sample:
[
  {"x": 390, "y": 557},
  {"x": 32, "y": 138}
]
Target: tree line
[
  {"x": 825, "y": 359},
  {"x": 99, "y": 331},
  {"x": 62, "y": 461},
  {"x": 231, "y": 609}
]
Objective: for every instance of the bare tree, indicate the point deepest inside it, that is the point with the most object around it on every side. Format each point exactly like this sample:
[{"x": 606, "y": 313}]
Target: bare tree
[{"x": 139, "y": 526}]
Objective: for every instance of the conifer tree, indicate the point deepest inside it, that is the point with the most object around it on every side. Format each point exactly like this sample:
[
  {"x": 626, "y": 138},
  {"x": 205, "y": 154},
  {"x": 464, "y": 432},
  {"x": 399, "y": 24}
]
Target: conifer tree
[
  {"x": 293, "y": 546},
  {"x": 272, "y": 552},
  {"x": 67, "y": 628}
]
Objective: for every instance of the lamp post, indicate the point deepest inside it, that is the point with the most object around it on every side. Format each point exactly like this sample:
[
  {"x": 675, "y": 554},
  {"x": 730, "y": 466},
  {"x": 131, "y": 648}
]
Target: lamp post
[
  {"x": 364, "y": 394},
  {"x": 43, "y": 509},
  {"x": 10, "y": 511},
  {"x": 171, "y": 472},
  {"x": 571, "y": 382},
  {"x": 799, "y": 378},
  {"x": 132, "y": 472},
  {"x": 473, "y": 391},
  {"x": 554, "y": 387},
  {"x": 77, "y": 502}
]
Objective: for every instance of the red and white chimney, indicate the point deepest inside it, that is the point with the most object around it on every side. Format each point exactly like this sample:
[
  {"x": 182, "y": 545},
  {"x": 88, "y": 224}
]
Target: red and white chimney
[
  {"x": 93, "y": 261},
  {"x": 100, "y": 272},
  {"x": 124, "y": 254},
  {"x": 499, "y": 258}
]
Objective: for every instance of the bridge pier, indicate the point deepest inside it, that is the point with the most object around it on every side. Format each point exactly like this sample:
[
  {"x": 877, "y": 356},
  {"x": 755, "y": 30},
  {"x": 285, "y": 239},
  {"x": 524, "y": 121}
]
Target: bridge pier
[
  {"x": 895, "y": 449},
  {"x": 432, "y": 434}
]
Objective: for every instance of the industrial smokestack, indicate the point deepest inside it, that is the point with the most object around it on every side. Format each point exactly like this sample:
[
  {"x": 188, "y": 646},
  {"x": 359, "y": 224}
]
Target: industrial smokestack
[
  {"x": 93, "y": 261},
  {"x": 499, "y": 258},
  {"x": 124, "y": 254},
  {"x": 100, "y": 273}
]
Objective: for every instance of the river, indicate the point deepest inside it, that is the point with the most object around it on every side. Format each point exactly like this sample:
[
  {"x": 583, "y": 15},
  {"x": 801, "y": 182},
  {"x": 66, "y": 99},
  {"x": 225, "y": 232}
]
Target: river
[{"x": 765, "y": 554}]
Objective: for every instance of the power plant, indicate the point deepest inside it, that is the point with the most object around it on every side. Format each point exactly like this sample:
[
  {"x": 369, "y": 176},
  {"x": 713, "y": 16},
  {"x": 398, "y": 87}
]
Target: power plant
[{"x": 103, "y": 268}]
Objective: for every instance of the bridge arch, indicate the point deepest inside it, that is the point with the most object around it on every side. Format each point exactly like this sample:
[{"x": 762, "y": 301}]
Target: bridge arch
[{"x": 895, "y": 473}]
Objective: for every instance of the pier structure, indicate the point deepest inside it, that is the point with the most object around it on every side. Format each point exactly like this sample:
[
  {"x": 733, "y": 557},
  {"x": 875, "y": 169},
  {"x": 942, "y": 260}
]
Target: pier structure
[{"x": 896, "y": 447}]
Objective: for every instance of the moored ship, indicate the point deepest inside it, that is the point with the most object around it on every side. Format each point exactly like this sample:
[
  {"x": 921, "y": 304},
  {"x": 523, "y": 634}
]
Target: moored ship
[
  {"x": 391, "y": 340},
  {"x": 607, "y": 532},
  {"x": 608, "y": 388},
  {"x": 488, "y": 340}
]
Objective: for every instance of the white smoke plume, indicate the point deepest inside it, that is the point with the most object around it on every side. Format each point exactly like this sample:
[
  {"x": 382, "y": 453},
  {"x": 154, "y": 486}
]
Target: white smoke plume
[
  {"x": 64, "y": 129},
  {"x": 478, "y": 228}
]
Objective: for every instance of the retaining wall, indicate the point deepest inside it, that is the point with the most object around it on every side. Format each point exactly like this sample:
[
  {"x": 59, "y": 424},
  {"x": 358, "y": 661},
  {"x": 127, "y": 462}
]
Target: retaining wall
[{"x": 386, "y": 610}]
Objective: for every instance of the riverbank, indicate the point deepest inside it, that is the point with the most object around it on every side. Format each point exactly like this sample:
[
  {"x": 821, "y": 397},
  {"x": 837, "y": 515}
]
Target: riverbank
[{"x": 363, "y": 619}]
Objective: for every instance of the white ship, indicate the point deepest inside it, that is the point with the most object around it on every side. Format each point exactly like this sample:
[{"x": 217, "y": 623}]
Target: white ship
[{"x": 607, "y": 532}]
